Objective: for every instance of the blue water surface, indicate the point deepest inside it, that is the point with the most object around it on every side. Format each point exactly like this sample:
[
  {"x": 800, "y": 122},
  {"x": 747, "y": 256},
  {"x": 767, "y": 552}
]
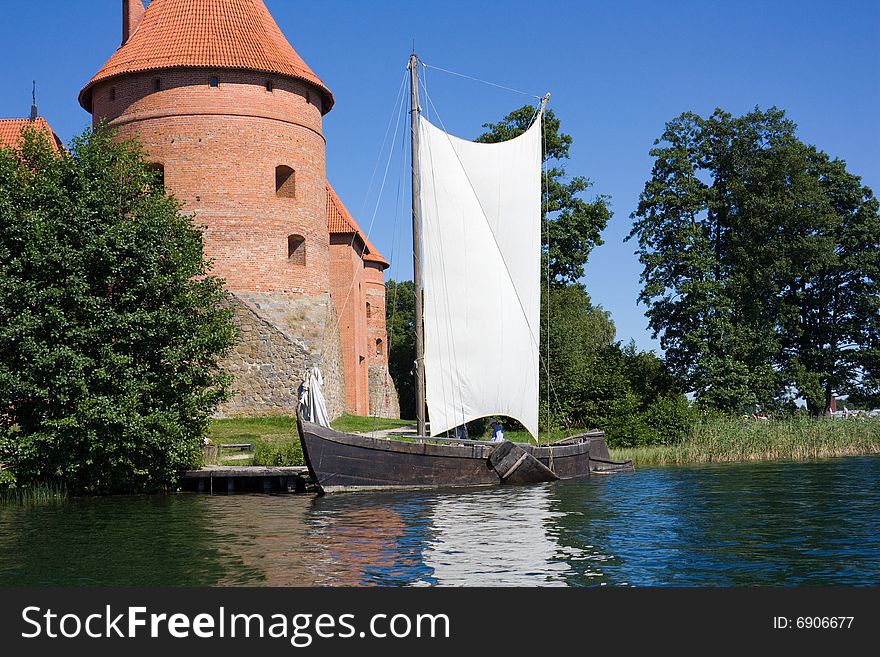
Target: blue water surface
[{"x": 777, "y": 523}]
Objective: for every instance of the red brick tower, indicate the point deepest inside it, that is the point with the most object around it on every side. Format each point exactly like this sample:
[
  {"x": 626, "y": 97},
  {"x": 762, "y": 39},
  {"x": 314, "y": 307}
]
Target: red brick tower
[
  {"x": 232, "y": 117},
  {"x": 357, "y": 280}
]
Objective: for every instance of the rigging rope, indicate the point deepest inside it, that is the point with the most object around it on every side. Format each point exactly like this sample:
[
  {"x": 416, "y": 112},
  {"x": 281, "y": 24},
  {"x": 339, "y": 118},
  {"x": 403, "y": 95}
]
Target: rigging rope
[
  {"x": 384, "y": 141},
  {"x": 399, "y": 103},
  {"x": 396, "y": 232},
  {"x": 469, "y": 77},
  {"x": 395, "y": 241},
  {"x": 372, "y": 219},
  {"x": 546, "y": 200}
]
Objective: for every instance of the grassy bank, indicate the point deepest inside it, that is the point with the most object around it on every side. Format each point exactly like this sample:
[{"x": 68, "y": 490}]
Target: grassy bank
[
  {"x": 358, "y": 424},
  {"x": 276, "y": 440},
  {"x": 728, "y": 440}
]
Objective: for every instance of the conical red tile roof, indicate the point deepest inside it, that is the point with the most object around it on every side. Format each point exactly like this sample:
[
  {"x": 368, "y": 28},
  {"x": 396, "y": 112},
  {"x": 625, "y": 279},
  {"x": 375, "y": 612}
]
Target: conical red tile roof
[
  {"x": 10, "y": 132},
  {"x": 339, "y": 220},
  {"x": 224, "y": 34}
]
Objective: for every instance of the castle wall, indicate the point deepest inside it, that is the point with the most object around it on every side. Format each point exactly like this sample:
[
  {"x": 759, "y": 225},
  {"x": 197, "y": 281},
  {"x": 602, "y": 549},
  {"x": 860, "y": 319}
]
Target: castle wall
[
  {"x": 377, "y": 338},
  {"x": 347, "y": 285},
  {"x": 358, "y": 289},
  {"x": 383, "y": 395},
  {"x": 281, "y": 338}
]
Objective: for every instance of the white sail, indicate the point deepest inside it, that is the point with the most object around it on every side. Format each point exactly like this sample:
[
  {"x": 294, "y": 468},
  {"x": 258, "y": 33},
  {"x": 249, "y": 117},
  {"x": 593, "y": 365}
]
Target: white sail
[{"x": 481, "y": 241}]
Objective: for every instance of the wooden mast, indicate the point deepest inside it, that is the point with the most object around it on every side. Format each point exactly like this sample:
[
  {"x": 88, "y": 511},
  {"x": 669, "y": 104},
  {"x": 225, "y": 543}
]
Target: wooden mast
[{"x": 417, "y": 245}]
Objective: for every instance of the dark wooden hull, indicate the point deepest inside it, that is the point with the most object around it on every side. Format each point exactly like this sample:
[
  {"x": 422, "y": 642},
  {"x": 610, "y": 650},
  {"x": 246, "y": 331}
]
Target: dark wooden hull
[{"x": 340, "y": 461}]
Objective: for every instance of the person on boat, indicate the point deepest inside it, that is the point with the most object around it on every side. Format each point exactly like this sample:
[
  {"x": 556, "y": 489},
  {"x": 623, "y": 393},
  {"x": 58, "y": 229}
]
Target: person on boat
[
  {"x": 497, "y": 431},
  {"x": 461, "y": 432}
]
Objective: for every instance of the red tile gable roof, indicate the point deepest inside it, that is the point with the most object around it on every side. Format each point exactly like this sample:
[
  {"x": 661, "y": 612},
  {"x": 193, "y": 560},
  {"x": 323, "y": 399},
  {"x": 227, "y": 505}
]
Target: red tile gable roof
[
  {"x": 221, "y": 34},
  {"x": 339, "y": 220},
  {"x": 10, "y": 132}
]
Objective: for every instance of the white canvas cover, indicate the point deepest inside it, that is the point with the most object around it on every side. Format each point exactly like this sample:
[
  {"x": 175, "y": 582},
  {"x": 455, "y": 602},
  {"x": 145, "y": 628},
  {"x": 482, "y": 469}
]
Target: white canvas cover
[
  {"x": 311, "y": 398},
  {"x": 481, "y": 260}
]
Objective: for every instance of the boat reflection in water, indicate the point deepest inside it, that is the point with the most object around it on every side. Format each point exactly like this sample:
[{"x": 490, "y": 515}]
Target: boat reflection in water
[
  {"x": 494, "y": 536},
  {"x": 497, "y": 537}
]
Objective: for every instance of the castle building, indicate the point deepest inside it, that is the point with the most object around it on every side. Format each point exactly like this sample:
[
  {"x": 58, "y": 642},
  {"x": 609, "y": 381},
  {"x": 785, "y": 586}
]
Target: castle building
[
  {"x": 231, "y": 117},
  {"x": 10, "y": 131}
]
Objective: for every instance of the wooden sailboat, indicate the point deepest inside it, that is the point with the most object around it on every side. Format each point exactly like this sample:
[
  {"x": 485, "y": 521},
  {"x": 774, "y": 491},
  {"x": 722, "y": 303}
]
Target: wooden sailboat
[{"x": 479, "y": 205}]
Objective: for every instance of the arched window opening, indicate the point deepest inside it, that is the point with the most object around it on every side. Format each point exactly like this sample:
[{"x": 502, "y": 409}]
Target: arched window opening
[
  {"x": 270, "y": 86},
  {"x": 296, "y": 249},
  {"x": 285, "y": 182},
  {"x": 379, "y": 348},
  {"x": 369, "y": 310},
  {"x": 158, "y": 171},
  {"x": 215, "y": 82},
  {"x": 157, "y": 84},
  {"x": 112, "y": 93}
]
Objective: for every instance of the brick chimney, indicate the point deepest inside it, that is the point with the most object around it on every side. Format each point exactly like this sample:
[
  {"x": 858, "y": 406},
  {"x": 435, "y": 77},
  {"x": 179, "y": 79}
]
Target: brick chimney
[{"x": 132, "y": 14}]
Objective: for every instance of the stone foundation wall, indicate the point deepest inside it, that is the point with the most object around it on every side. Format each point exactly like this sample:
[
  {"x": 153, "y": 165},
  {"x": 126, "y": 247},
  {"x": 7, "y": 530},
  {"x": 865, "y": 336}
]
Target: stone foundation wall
[
  {"x": 281, "y": 337},
  {"x": 383, "y": 394}
]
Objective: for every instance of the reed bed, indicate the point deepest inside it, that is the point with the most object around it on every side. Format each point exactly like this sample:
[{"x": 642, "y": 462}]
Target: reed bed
[
  {"x": 34, "y": 495},
  {"x": 728, "y": 440}
]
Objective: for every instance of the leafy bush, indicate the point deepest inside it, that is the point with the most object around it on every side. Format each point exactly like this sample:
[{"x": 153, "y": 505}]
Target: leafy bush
[
  {"x": 110, "y": 329},
  {"x": 7, "y": 481},
  {"x": 672, "y": 417}
]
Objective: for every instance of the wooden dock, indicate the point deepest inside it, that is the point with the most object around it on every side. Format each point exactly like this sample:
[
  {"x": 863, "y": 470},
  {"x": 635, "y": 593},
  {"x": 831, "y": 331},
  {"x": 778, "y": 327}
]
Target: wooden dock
[{"x": 225, "y": 479}]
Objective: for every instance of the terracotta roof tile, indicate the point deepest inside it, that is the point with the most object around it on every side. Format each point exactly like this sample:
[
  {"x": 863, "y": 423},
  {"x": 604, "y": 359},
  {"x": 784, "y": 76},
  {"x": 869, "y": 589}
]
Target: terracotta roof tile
[
  {"x": 339, "y": 220},
  {"x": 224, "y": 34},
  {"x": 10, "y": 131}
]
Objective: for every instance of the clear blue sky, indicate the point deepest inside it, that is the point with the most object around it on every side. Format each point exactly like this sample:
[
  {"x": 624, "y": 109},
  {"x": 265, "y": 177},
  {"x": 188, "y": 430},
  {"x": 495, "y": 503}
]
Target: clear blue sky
[{"x": 617, "y": 71}]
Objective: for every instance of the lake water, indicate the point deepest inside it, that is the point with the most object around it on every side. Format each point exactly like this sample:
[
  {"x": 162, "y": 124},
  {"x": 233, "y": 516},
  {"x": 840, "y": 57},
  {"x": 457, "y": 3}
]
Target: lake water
[{"x": 781, "y": 523}]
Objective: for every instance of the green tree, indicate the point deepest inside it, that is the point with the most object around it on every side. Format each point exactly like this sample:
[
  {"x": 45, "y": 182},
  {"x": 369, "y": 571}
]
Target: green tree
[
  {"x": 573, "y": 225},
  {"x": 400, "y": 320},
  {"x": 760, "y": 262},
  {"x": 830, "y": 304},
  {"x": 576, "y": 339},
  {"x": 110, "y": 328},
  {"x": 594, "y": 382}
]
